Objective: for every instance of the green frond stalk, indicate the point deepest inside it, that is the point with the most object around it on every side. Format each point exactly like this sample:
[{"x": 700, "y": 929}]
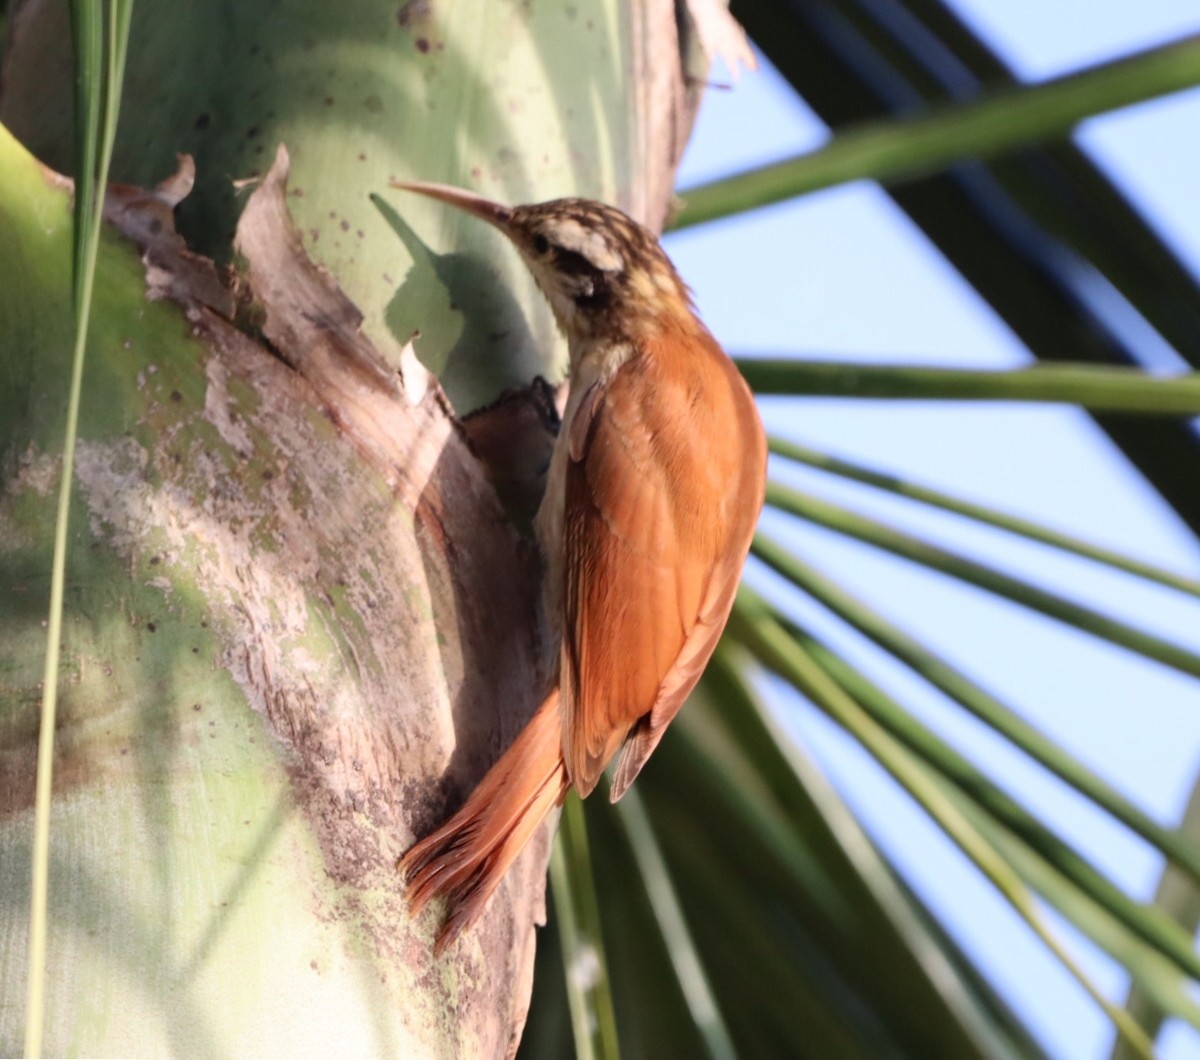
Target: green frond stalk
[
  {"x": 946, "y": 561},
  {"x": 753, "y": 626},
  {"x": 986, "y": 707},
  {"x": 1026, "y": 528},
  {"x": 998, "y": 122},
  {"x": 585, "y": 966},
  {"x": 99, "y": 73},
  {"x": 1100, "y": 388}
]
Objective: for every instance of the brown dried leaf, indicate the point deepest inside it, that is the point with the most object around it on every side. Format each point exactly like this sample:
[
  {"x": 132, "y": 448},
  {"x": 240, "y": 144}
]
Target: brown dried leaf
[{"x": 147, "y": 219}]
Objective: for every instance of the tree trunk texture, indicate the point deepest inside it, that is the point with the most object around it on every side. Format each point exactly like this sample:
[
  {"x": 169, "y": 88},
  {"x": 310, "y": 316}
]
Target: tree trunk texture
[{"x": 300, "y": 622}]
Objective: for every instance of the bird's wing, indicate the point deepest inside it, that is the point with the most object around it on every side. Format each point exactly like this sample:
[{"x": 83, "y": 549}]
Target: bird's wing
[{"x": 663, "y": 486}]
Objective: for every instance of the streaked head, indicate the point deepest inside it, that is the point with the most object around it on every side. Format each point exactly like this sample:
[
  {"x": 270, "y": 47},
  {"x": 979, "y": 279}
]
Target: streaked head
[{"x": 597, "y": 267}]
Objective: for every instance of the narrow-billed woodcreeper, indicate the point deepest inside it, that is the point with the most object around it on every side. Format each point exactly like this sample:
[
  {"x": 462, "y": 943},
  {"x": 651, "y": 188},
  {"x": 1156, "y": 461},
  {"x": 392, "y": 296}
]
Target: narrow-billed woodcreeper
[{"x": 654, "y": 489}]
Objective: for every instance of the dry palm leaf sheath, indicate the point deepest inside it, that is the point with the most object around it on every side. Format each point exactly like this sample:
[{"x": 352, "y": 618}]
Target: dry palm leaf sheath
[{"x": 655, "y": 486}]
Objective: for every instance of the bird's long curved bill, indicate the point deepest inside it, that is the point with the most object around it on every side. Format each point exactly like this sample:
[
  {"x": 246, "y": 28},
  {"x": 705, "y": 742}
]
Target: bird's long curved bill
[{"x": 493, "y": 212}]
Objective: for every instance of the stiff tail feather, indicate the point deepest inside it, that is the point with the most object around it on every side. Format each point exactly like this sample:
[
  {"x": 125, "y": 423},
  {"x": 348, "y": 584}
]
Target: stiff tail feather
[{"x": 466, "y": 858}]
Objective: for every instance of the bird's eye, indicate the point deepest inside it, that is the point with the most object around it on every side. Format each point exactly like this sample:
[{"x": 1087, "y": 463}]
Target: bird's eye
[{"x": 540, "y": 243}]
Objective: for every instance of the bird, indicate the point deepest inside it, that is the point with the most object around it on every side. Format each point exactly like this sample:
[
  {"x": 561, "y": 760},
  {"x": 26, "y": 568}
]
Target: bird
[{"x": 654, "y": 489}]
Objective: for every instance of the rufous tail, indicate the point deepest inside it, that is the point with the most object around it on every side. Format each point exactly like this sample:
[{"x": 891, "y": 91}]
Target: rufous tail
[{"x": 466, "y": 858}]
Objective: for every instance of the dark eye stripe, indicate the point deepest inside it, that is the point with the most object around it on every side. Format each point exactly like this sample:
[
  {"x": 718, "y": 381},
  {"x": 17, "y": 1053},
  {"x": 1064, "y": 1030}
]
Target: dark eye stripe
[
  {"x": 573, "y": 263},
  {"x": 595, "y": 292}
]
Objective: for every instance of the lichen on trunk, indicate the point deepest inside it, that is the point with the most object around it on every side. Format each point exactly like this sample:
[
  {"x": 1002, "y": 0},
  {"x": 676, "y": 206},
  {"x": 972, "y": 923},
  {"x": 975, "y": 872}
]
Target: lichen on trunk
[{"x": 300, "y": 627}]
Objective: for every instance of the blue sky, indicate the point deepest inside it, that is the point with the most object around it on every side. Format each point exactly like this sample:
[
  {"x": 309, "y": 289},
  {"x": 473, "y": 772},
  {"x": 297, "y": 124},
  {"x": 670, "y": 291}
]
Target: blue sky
[{"x": 843, "y": 273}]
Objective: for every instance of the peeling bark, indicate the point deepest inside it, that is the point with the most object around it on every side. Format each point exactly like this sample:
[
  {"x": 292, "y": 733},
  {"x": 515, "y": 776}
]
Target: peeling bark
[
  {"x": 294, "y": 512},
  {"x": 382, "y": 746},
  {"x": 367, "y": 591}
]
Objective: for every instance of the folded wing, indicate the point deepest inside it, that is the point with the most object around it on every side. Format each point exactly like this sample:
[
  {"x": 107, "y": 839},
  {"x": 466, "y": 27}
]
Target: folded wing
[{"x": 663, "y": 489}]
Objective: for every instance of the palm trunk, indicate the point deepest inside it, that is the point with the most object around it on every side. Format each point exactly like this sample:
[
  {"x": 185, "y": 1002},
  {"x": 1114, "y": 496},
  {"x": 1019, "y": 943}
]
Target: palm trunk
[{"x": 299, "y": 623}]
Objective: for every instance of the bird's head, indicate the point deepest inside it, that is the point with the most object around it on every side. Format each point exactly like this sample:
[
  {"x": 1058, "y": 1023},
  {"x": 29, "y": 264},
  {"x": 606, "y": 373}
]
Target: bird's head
[{"x": 601, "y": 271}]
